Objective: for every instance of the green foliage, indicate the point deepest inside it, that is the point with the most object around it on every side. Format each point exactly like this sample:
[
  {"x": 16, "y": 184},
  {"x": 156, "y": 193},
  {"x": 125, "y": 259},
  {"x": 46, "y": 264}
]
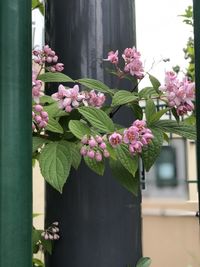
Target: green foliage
[
  {"x": 54, "y": 77},
  {"x": 123, "y": 97},
  {"x": 37, "y": 4},
  {"x": 155, "y": 83},
  {"x": 79, "y": 129},
  {"x": 147, "y": 92},
  {"x": 98, "y": 119},
  {"x": 38, "y": 142},
  {"x": 75, "y": 155},
  {"x": 96, "y": 166},
  {"x": 127, "y": 160},
  {"x": 124, "y": 177},
  {"x": 151, "y": 152},
  {"x": 95, "y": 85},
  {"x": 144, "y": 262},
  {"x": 55, "y": 163},
  {"x": 150, "y": 110}
]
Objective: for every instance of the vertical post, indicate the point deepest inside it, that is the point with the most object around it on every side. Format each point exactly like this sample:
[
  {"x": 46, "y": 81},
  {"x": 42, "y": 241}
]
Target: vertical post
[
  {"x": 15, "y": 134},
  {"x": 196, "y": 8},
  {"x": 100, "y": 221}
]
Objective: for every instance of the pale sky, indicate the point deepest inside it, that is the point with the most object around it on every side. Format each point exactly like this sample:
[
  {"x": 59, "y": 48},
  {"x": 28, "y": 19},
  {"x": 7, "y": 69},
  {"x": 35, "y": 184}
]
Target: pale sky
[{"x": 160, "y": 33}]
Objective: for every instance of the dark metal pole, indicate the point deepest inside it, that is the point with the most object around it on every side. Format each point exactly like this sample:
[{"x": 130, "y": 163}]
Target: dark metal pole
[
  {"x": 99, "y": 220},
  {"x": 196, "y": 8},
  {"x": 15, "y": 134}
]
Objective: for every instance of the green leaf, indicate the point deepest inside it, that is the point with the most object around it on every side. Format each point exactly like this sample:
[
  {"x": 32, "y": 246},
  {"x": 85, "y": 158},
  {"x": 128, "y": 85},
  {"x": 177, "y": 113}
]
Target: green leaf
[
  {"x": 36, "y": 235},
  {"x": 96, "y": 166},
  {"x": 144, "y": 262},
  {"x": 79, "y": 129},
  {"x": 123, "y": 97},
  {"x": 37, "y": 263},
  {"x": 35, "y": 3},
  {"x": 98, "y": 118},
  {"x": 156, "y": 116},
  {"x": 150, "y": 110},
  {"x": 54, "y": 77},
  {"x": 55, "y": 163},
  {"x": 155, "y": 83},
  {"x": 75, "y": 154},
  {"x": 38, "y": 142},
  {"x": 176, "y": 116},
  {"x": 46, "y": 99},
  {"x": 95, "y": 85},
  {"x": 47, "y": 245},
  {"x": 54, "y": 126},
  {"x": 138, "y": 112},
  {"x": 191, "y": 120},
  {"x": 184, "y": 130},
  {"x": 151, "y": 152},
  {"x": 124, "y": 177},
  {"x": 54, "y": 111},
  {"x": 127, "y": 160},
  {"x": 147, "y": 92}
]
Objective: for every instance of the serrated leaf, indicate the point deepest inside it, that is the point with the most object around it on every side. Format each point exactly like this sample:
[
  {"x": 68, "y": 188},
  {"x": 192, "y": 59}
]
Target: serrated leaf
[
  {"x": 144, "y": 262},
  {"x": 184, "y": 130},
  {"x": 96, "y": 166},
  {"x": 46, "y": 99},
  {"x": 155, "y": 83},
  {"x": 175, "y": 115},
  {"x": 124, "y": 177},
  {"x": 123, "y": 97},
  {"x": 75, "y": 154},
  {"x": 191, "y": 120},
  {"x": 147, "y": 92},
  {"x": 54, "y": 126},
  {"x": 55, "y": 163},
  {"x": 151, "y": 152},
  {"x": 79, "y": 129},
  {"x": 156, "y": 116},
  {"x": 95, "y": 85},
  {"x": 98, "y": 118},
  {"x": 127, "y": 160},
  {"x": 138, "y": 112},
  {"x": 37, "y": 143},
  {"x": 54, "y": 77},
  {"x": 150, "y": 110},
  {"x": 54, "y": 111},
  {"x": 37, "y": 263}
]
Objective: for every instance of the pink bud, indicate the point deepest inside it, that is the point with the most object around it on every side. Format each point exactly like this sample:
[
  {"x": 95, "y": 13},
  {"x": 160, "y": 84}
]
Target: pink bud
[
  {"x": 38, "y": 118},
  {"x": 44, "y": 114},
  {"x": 68, "y": 108},
  {"x": 98, "y": 139},
  {"x": 102, "y": 145},
  {"x": 98, "y": 156},
  {"x": 106, "y": 154},
  {"x": 42, "y": 124},
  {"x": 91, "y": 154},
  {"x": 92, "y": 143},
  {"x": 83, "y": 151},
  {"x": 84, "y": 140},
  {"x": 55, "y": 59},
  {"x": 38, "y": 108},
  {"x": 49, "y": 59}
]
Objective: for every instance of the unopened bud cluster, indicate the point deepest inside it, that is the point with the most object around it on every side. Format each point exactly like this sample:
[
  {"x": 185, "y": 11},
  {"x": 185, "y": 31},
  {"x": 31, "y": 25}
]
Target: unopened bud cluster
[
  {"x": 136, "y": 137},
  {"x": 179, "y": 93},
  {"x": 70, "y": 98},
  {"x": 51, "y": 233},
  {"x": 94, "y": 147},
  {"x": 133, "y": 64},
  {"x": 37, "y": 89},
  {"x": 47, "y": 55},
  {"x": 39, "y": 118}
]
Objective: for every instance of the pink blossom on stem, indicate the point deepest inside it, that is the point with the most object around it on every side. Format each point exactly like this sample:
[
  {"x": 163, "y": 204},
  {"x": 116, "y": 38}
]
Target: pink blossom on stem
[
  {"x": 113, "y": 57},
  {"x": 115, "y": 139}
]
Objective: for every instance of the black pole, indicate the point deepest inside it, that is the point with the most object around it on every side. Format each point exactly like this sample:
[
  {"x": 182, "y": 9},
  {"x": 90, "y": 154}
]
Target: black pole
[
  {"x": 196, "y": 8},
  {"x": 100, "y": 221}
]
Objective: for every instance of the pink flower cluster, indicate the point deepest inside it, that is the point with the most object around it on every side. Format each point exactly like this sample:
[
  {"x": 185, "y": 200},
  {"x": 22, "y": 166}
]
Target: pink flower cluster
[
  {"x": 40, "y": 117},
  {"x": 94, "y": 148},
  {"x": 133, "y": 63},
  {"x": 51, "y": 233},
  {"x": 37, "y": 89},
  {"x": 71, "y": 98},
  {"x": 136, "y": 137},
  {"x": 47, "y": 55},
  {"x": 179, "y": 93}
]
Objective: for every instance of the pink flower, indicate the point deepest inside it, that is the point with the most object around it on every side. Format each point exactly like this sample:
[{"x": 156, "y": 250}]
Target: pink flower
[
  {"x": 113, "y": 57},
  {"x": 179, "y": 94},
  {"x": 131, "y": 135},
  {"x": 115, "y": 139},
  {"x": 98, "y": 156}
]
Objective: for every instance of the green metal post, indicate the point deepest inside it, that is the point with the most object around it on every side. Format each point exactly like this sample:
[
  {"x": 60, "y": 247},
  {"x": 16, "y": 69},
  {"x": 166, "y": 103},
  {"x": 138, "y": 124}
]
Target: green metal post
[
  {"x": 15, "y": 134},
  {"x": 196, "y": 8}
]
